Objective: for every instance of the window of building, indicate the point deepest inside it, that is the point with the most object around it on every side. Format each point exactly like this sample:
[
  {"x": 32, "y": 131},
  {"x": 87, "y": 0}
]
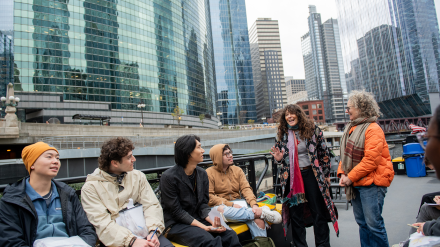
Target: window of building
[
  {"x": 319, "y": 111},
  {"x": 320, "y": 117},
  {"x": 313, "y": 106},
  {"x": 319, "y": 106},
  {"x": 307, "y": 113},
  {"x": 314, "y": 112},
  {"x": 315, "y": 118},
  {"x": 305, "y": 107}
]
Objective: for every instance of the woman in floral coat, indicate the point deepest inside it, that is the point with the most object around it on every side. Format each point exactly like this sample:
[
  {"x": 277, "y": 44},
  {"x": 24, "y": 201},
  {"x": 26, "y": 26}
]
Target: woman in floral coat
[{"x": 305, "y": 168}]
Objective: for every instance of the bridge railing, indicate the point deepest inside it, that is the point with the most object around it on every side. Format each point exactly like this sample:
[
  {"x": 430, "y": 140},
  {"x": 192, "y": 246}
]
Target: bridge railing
[{"x": 86, "y": 142}]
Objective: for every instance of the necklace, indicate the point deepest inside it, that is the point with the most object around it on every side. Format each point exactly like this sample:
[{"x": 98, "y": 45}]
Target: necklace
[{"x": 50, "y": 194}]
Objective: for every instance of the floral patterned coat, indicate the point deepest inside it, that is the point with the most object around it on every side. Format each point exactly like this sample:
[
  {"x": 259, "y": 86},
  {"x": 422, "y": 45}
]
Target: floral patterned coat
[{"x": 319, "y": 156}]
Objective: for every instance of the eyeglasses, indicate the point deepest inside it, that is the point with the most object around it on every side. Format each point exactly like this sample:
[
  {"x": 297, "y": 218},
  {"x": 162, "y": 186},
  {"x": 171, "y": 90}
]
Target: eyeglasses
[
  {"x": 228, "y": 154},
  {"x": 348, "y": 108},
  {"x": 423, "y": 138}
]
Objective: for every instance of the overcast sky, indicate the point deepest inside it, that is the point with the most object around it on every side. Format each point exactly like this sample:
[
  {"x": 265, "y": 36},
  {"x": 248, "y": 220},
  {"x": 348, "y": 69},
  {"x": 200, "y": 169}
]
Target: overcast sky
[{"x": 292, "y": 19}]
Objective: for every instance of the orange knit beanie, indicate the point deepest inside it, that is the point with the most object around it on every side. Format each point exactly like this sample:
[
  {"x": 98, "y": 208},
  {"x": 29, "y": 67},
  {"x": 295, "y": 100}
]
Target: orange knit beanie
[{"x": 31, "y": 153}]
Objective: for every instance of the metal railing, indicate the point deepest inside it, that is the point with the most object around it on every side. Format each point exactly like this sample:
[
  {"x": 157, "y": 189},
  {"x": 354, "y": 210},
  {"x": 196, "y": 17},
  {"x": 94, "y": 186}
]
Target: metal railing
[
  {"x": 246, "y": 162},
  {"x": 85, "y": 142}
]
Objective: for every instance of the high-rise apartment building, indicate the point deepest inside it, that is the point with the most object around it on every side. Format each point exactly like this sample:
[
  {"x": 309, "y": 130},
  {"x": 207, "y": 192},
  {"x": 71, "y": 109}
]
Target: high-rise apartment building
[
  {"x": 233, "y": 65},
  {"x": 104, "y": 57},
  {"x": 267, "y": 67},
  {"x": 323, "y": 65},
  {"x": 395, "y": 54}
]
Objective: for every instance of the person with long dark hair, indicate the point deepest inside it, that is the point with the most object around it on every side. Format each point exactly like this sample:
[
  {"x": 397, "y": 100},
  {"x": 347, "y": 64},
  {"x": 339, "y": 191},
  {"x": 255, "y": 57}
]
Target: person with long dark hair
[
  {"x": 185, "y": 198},
  {"x": 301, "y": 151}
]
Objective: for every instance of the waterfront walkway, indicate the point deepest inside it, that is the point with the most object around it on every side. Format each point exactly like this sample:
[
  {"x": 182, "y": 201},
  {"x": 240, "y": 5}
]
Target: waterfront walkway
[{"x": 401, "y": 206}]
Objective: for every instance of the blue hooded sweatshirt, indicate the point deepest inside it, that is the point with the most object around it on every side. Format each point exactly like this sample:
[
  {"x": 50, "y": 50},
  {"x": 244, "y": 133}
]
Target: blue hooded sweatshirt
[{"x": 50, "y": 218}]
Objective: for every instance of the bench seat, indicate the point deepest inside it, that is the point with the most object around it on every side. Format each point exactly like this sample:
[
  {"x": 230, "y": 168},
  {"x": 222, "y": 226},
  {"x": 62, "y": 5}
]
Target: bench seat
[{"x": 238, "y": 227}]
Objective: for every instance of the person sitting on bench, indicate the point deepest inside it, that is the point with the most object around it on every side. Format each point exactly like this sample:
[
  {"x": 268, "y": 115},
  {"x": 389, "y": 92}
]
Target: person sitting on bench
[
  {"x": 38, "y": 207},
  {"x": 185, "y": 196},
  {"x": 226, "y": 184},
  {"x": 107, "y": 191}
]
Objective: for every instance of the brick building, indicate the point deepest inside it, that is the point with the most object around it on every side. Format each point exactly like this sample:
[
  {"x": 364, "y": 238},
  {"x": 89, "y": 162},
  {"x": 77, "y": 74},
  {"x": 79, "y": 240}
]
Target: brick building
[{"x": 314, "y": 109}]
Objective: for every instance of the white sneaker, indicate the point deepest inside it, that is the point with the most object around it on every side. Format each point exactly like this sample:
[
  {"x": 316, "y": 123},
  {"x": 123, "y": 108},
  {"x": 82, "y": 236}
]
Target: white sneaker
[{"x": 270, "y": 216}]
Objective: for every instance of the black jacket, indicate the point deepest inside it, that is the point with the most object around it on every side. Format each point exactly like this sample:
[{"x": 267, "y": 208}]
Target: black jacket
[
  {"x": 19, "y": 219},
  {"x": 178, "y": 199}
]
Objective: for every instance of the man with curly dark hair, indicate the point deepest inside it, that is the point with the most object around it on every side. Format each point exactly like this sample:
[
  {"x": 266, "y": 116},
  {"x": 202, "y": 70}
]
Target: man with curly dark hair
[{"x": 107, "y": 191}]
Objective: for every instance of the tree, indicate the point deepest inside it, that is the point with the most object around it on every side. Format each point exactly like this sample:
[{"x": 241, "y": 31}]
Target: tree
[
  {"x": 177, "y": 114},
  {"x": 202, "y": 118},
  {"x": 250, "y": 121}
]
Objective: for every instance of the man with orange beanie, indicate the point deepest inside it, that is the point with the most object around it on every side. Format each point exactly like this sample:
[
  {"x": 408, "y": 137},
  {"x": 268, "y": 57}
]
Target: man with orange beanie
[{"x": 38, "y": 207}]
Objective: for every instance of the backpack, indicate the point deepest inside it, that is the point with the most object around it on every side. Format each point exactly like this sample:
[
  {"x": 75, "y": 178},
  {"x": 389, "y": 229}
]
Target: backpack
[{"x": 259, "y": 242}]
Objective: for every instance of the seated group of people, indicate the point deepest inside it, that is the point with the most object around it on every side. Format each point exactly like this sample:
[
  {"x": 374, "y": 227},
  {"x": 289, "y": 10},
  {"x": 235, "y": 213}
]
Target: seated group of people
[{"x": 38, "y": 207}]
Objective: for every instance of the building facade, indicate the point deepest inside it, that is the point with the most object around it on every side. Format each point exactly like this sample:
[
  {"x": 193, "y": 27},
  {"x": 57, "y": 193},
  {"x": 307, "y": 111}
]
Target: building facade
[
  {"x": 323, "y": 65},
  {"x": 296, "y": 97},
  {"x": 294, "y": 86},
  {"x": 314, "y": 109},
  {"x": 105, "y": 57},
  {"x": 264, "y": 37},
  {"x": 395, "y": 55},
  {"x": 233, "y": 65}
]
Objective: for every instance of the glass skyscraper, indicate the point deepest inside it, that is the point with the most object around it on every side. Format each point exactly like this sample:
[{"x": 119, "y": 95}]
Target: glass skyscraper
[
  {"x": 104, "y": 57},
  {"x": 390, "y": 48},
  {"x": 233, "y": 65},
  {"x": 323, "y": 66}
]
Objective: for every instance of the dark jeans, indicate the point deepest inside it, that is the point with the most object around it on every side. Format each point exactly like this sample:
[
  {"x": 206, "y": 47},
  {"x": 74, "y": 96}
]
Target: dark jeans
[
  {"x": 194, "y": 236},
  {"x": 164, "y": 242},
  {"x": 317, "y": 207},
  {"x": 367, "y": 210}
]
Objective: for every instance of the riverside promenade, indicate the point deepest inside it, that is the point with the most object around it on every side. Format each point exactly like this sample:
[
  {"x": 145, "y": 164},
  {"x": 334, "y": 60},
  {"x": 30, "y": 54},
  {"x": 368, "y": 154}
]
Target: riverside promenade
[{"x": 401, "y": 206}]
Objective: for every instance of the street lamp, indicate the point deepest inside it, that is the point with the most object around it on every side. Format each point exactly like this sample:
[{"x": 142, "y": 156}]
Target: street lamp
[
  {"x": 141, "y": 106},
  {"x": 220, "y": 114},
  {"x": 13, "y": 101}
]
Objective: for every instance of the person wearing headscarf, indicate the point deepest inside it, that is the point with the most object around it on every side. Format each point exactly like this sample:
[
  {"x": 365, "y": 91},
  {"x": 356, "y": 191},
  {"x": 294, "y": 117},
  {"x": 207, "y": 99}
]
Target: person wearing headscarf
[
  {"x": 365, "y": 168},
  {"x": 302, "y": 152},
  {"x": 38, "y": 207}
]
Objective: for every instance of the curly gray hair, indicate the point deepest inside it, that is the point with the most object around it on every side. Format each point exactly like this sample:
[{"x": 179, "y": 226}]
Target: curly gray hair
[{"x": 365, "y": 102}]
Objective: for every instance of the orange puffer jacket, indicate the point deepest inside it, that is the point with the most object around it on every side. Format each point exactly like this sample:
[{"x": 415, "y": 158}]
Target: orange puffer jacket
[{"x": 376, "y": 166}]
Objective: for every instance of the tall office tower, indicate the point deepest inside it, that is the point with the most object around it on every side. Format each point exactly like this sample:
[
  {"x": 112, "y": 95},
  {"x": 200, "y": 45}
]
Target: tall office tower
[
  {"x": 267, "y": 67},
  {"x": 323, "y": 65},
  {"x": 105, "y": 57},
  {"x": 6, "y": 47},
  {"x": 294, "y": 86},
  {"x": 392, "y": 49},
  {"x": 233, "y": 65}
]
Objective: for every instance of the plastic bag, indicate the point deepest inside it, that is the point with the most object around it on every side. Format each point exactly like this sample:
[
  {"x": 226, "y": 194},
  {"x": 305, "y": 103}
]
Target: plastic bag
[{"x": 60, "y": 242}]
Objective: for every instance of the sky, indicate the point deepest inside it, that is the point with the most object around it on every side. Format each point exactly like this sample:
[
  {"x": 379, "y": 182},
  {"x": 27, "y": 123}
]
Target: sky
[{"x": 292, "y": 19}]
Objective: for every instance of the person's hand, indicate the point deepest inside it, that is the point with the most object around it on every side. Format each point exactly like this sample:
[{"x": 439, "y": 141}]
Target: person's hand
[
  {"x": 154, "y": 242},
  {"x": 277, "y": 153},
  {"x": 437, "y": 200},
  {"x": 328, "y": 180},
  {"x": 257, "y": 211},
  {"x": 236, "y": 205},
  {"x": 341, "y": 181},
  {"x": 216, "y": 226},
  {"x": 145, "y": 243},
  {"x": 347, "y": 181},
  {"x": 420, "y": 225}
]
